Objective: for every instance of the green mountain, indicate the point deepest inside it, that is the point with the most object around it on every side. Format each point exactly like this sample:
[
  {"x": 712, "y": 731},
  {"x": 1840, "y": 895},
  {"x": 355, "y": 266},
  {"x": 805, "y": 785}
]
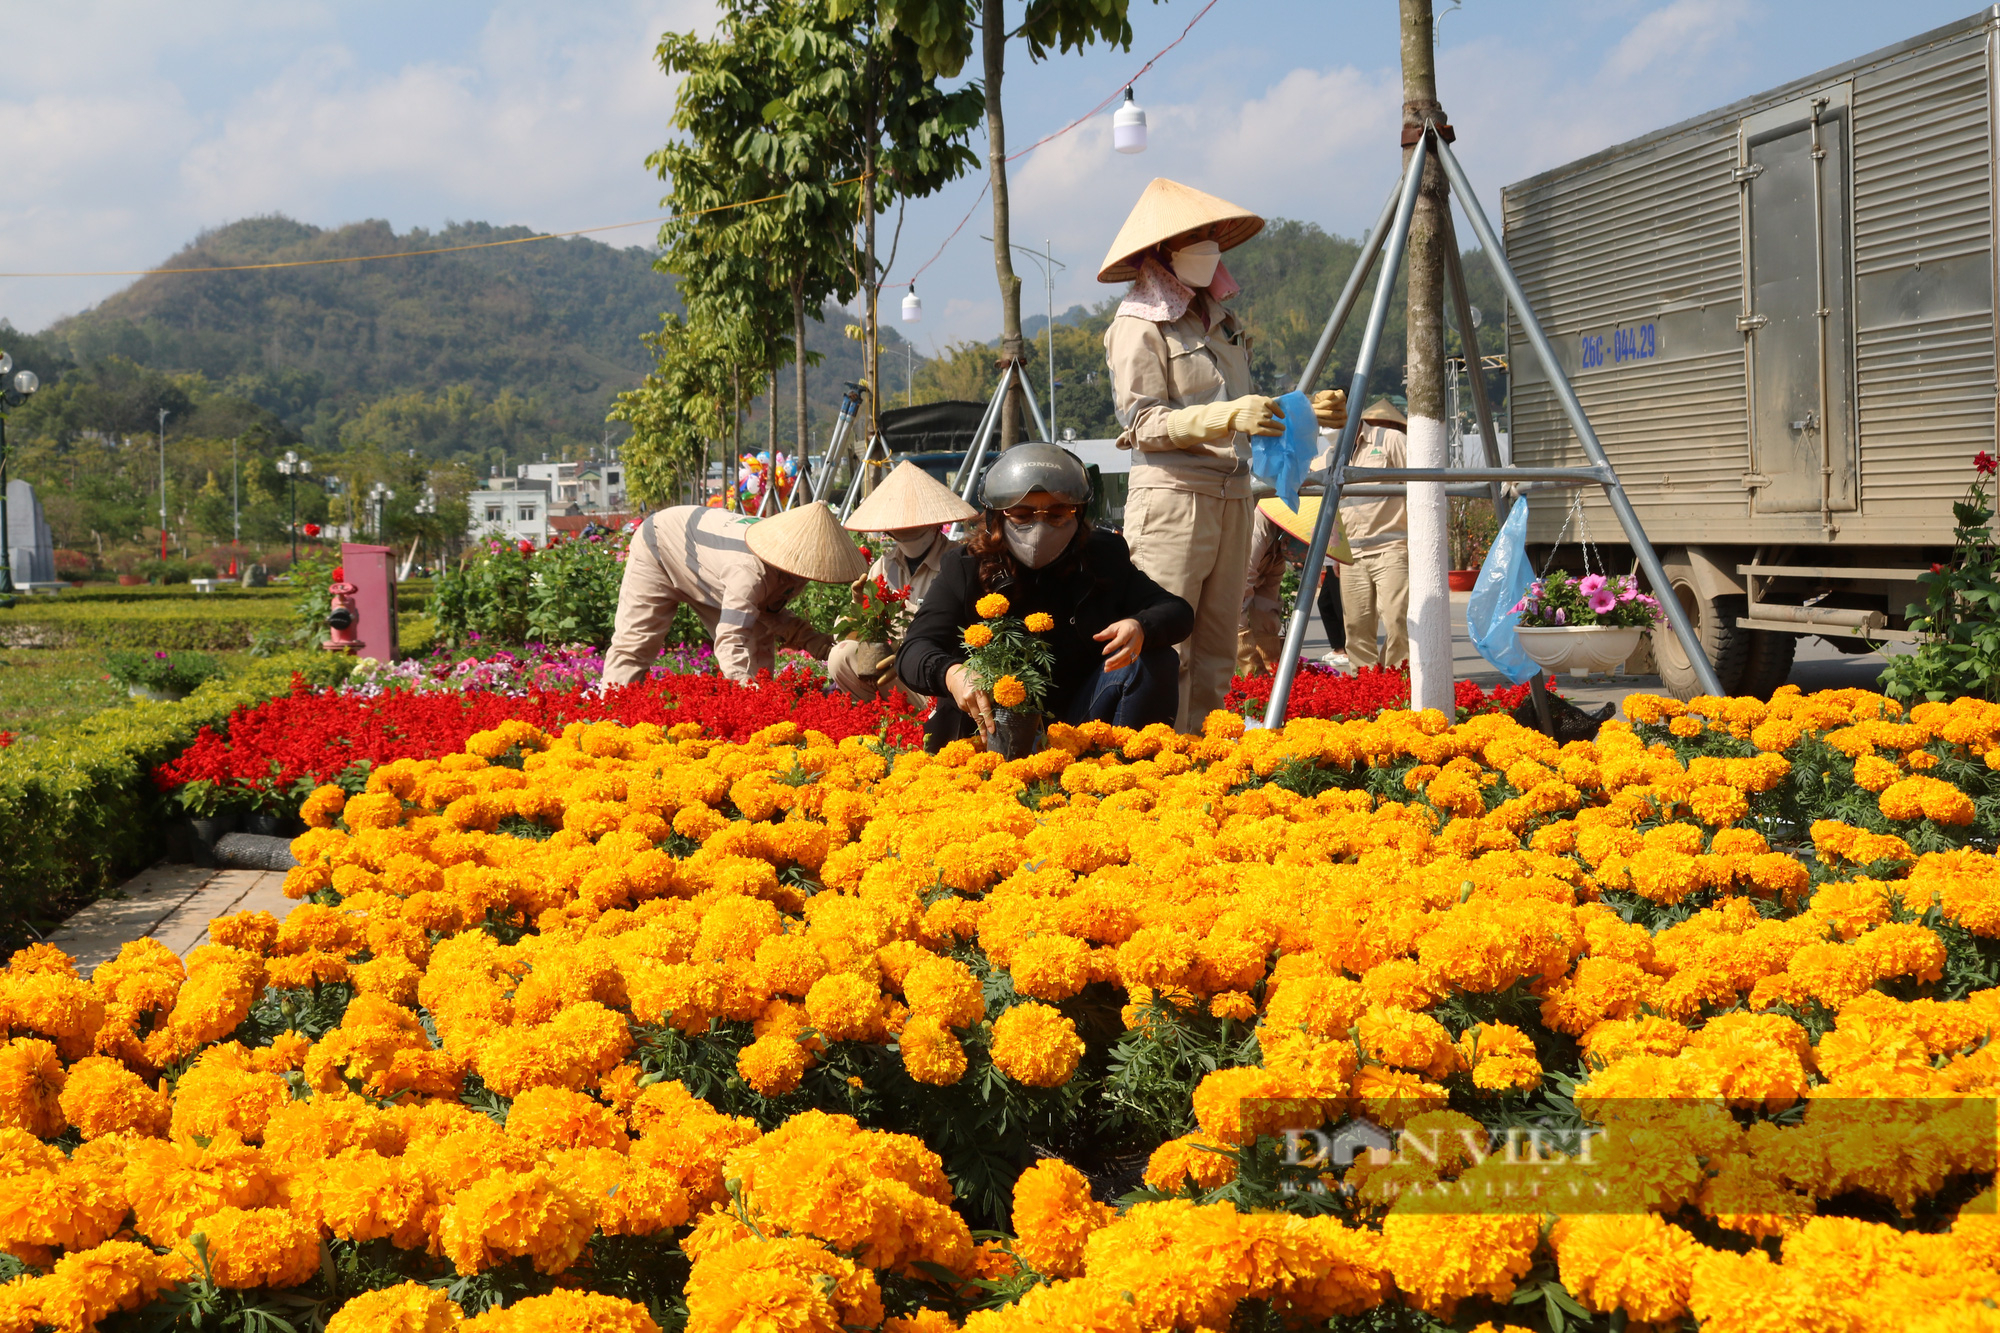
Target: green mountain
[{"x": 554, "y": 322}]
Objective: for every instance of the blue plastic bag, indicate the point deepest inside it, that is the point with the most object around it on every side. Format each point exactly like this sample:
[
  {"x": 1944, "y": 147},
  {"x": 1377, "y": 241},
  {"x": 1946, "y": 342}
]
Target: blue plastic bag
[
  {"x": 1284, "y": 460},
  {"x": 1504, "y": 579}
]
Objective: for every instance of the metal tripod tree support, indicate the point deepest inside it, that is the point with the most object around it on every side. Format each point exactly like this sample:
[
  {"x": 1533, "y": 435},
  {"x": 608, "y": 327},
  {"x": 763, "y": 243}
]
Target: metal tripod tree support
[
  {"x": 968, "y": 471},
  {"x": 1388, "y": 240},
  {"x": 850, "y": 403}
]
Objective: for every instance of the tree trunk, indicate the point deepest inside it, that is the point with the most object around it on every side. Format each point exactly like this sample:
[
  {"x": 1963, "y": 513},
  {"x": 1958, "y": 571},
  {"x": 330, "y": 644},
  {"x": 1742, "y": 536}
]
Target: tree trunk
[
  {"x": 798, "y": 365},
  {"x": 871, "y": 352},
  {"x": 735, "y": 426},
  {"x": 1012, "y": 352},
  {"x": 771, "y": 446},
  {"x": 1429, "y": 520}
]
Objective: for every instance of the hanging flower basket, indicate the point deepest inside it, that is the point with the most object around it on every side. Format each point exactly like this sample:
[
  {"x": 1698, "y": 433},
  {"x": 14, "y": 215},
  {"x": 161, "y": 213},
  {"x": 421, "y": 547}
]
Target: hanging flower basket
[{"x": 1580, "y": 647}]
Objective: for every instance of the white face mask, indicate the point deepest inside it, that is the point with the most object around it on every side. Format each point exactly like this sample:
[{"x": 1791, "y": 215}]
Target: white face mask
[
  {"x": 1195, "y": 265},
  {"x": 914, "y": 543},
  {"x": 1037, "y": 544}
]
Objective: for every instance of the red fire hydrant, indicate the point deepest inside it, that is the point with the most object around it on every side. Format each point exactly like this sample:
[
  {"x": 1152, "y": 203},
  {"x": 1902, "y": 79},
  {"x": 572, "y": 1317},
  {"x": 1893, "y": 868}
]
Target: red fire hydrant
[{"x": 343, "y": 618}]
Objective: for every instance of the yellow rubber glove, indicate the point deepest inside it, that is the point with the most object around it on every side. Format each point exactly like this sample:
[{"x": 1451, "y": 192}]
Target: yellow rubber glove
[
  {"x": 1253, "y": 415},
  {"x": 1330, "y": 408}
]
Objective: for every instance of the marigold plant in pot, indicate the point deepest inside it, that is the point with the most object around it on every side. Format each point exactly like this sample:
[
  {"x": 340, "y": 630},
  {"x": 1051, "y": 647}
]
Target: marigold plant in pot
[
  {"x": 1010, "y": 662},
  {"x": 1587, "y": 624}
]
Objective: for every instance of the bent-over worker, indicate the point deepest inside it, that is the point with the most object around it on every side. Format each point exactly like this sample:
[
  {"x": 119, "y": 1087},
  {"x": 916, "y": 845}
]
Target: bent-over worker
[
  {"x": 1180, "y": 383},
  {"x": 736, "y": 573},
  {"x": 1279, "y": 540},
  {"x": 1114, "y": 628},
  {"x": 911, "y": 509}
]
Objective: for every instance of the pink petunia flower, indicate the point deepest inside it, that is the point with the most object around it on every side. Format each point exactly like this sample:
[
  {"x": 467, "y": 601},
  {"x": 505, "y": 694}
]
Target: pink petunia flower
[
  {"x": 1603, "y": 600},
  {"x": 1590, "y": 584}
]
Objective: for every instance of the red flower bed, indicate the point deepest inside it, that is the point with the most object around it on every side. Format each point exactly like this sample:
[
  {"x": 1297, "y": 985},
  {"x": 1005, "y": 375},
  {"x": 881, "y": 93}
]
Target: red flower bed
[
  {"x": 1322, "y": 692},
  {"x": 285, "y": 746}
]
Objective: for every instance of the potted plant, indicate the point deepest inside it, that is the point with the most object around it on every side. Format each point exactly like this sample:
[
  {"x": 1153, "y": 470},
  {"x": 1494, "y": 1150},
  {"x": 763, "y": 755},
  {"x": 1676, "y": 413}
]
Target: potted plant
[
  {"x": 161, "y": 677},
  {"x": 1008, "y": 659},
  {"x": 1469, "y": 531},
  {"x": 1587, "y": 624},
  {"x": 874, "y": 616}
]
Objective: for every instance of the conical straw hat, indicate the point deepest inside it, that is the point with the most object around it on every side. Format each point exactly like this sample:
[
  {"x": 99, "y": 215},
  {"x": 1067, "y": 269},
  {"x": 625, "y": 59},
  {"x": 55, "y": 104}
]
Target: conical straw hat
[
  {"x": 1385, "y": 412},
  {"x": 1168, "y": 209},
  {"x": 910, "y": 498},
  {"x": 807, "y": 541},
  {"x": 1299, "y": 523}
]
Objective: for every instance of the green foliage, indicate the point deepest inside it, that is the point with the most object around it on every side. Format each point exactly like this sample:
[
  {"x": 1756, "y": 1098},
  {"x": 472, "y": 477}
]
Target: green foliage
[
  {"x": 79, "y": 804},
  {"x": 157, "y": 624},
  {"x": 173, "y": 672},
  {"x": 500, "y": 596},
  {"x": 1960, "y": 617}
]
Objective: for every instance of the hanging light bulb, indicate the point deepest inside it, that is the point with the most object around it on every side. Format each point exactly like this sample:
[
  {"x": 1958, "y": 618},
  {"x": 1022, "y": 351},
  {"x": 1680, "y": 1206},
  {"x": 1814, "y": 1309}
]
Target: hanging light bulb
[
  {"x": 1128, "y": 126},
  {"x": 913, "y": 307}
]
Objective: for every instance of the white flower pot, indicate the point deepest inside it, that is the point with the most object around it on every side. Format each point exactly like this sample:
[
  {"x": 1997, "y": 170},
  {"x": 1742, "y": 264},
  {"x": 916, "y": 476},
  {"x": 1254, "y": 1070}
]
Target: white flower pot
[{"x": 1580, "y": 647}]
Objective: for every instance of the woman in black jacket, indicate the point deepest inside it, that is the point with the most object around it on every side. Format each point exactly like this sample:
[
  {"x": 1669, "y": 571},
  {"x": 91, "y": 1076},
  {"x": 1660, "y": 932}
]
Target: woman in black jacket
[{"x": 1115, "y": 629}]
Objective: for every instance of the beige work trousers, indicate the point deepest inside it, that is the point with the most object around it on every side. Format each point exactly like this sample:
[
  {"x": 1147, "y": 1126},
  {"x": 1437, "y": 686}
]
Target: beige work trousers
[
  {"x": 1197, "y": 547},
  {"x": 1375, "y": 595}
]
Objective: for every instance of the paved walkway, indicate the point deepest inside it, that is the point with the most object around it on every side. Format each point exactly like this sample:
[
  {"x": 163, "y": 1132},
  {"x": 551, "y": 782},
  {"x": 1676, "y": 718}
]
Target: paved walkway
[{"x": 172, "y": 904}]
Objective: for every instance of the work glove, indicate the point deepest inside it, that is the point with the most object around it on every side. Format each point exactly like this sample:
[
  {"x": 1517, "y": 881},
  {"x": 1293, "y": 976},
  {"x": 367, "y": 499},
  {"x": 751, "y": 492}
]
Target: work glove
[
  {"x": 1330, "y": 408},
  {"x": 1252, "y": 415}
]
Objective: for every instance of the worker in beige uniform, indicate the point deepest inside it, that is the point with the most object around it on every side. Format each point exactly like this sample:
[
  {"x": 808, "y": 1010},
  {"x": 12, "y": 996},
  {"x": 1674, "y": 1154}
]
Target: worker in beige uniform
[
  {"x": 911, "y": 509},
  {"x": 1375, "y": 589},
  {"x": 1278, "y": 541},
  {"x": 1180, "y": 383},
  {"x": 737, "y": 573}
]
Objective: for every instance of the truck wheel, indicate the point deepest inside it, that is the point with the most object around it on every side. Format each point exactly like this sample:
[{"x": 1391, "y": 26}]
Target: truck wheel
[
  {"x": 1768, "y": 662},
  {"x": 1715, "y": 626}
]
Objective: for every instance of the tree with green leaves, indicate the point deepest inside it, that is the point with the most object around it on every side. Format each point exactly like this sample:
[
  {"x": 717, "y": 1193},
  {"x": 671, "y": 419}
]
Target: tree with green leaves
[{"x": 942, "y": 31}]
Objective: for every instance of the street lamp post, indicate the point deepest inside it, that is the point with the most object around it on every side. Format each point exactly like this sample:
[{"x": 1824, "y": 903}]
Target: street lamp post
[
  {"x": 13, "y": 392},
  {"x": 294, "y": 467},
  {"x": 163, "y": 484}
]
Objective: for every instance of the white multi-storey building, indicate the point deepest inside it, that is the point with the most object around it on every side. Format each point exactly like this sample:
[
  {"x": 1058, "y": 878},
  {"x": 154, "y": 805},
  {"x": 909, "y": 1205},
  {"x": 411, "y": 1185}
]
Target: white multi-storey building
[{"x": 511, "y": 509}]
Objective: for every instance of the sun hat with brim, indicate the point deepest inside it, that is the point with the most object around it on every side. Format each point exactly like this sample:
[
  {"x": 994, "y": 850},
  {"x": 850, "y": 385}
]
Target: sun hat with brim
[
  {"x": 809, "y": 542},
  {"x": 910, "y": 498},
  {"x": 1298, "y": 523},
  {"x": 1385, "y": 412},
  {"x": 1168, "y": 210}
]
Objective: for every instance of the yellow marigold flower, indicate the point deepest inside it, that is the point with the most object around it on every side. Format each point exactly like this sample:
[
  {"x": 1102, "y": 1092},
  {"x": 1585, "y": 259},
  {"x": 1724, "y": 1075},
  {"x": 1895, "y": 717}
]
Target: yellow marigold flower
[
  {"x": 556, "y": 1118},
  {"x": 1039, "y": 622},
  {"x": 1636, "y": 1263},
  {"x": 1009, "y": 692},
  {"x": 256, "y": 1247},
  {"x": 1686, "y": 727},
  {"x": 931, "y": 1053},
  {"x": 93, "y": 1284},
  {"x": 773, "y": 1064},
  {"x": 741, "y": 1284},
  {"x": 1054, "y": 1215},
  {"x": 31, "y": 1086},
  {"x": 1050, "y": 967},
  {"x": 514, "y": 1214},
  {"x": 977, "y": 636},
  {"x": 1190, "y": 1160},
  {"x": 945, "y": 989},
  {"x": 1926, "y": 798},
  {"x": 1037, "y": 1045},
  {"x": 408, "y": 1307},
  {"x": 1441, "y": 1258},
  {"x": 564, "y": 1310},
  {"x": 102, "y": 1096},
  {"x": 225, "y": 1091},
  {"x": 844, "y": 1007},
  {"x": 1502, "y": 1057},
  {"x": 991, "y": 605}
]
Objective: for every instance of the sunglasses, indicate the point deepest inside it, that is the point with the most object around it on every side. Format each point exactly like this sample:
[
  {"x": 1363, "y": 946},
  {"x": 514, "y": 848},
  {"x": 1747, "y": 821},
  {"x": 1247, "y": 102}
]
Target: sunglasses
[{"x": 1051, "y": 514}]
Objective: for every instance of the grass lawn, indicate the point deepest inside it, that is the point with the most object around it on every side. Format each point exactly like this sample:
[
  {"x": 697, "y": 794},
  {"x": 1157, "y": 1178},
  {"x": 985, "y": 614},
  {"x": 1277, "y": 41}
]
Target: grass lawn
[{"x": 42, "y": 689}]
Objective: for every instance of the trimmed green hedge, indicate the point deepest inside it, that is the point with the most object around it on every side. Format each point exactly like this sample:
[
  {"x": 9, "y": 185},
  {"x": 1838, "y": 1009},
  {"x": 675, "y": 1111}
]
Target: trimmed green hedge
[
  {"x": 78, "y": 812},
  {"x": 218, "y": 622}
]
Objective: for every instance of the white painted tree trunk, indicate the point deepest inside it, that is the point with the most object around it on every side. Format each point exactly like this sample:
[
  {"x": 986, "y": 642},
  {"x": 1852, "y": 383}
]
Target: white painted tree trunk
[{"x": 1430, "y": 557}]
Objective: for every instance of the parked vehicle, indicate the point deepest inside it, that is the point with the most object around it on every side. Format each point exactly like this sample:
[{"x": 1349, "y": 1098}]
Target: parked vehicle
[{"x": 1779, "y": 317}]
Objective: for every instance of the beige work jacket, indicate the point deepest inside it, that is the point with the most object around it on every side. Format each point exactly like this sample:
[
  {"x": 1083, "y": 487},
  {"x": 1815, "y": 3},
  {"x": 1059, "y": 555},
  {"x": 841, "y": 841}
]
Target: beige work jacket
[
  {"x": 738, "y": 598},
  {"x": 1202, "y": 357},
  {"x": 1374, "y": 523},
  {"x": 894, "y": 569}
]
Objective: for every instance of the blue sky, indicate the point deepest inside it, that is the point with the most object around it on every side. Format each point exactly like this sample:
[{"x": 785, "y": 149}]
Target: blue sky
[{"x": 132, "y": 126}]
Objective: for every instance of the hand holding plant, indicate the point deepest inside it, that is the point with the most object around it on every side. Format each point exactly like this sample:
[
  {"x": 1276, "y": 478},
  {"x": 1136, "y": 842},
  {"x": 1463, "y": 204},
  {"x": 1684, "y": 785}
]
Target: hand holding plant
[{"x": 876, "y": 614}]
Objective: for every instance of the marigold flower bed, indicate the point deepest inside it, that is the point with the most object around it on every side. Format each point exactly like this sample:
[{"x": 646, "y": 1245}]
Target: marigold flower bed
[{"x": 627, "y": 1027}]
